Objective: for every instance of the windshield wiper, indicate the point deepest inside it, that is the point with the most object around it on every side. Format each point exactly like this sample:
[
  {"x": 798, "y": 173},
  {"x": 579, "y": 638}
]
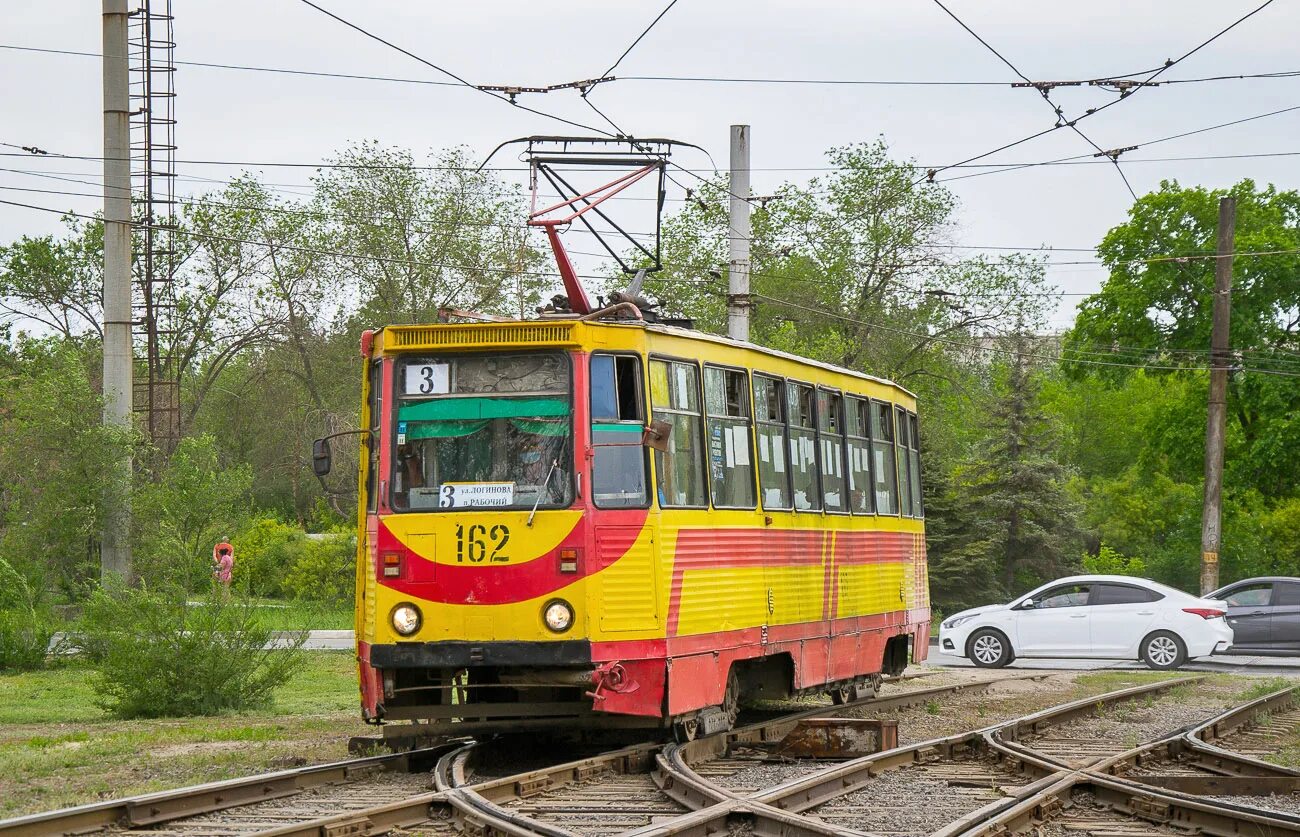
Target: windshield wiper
[{"x": 546, "y": 488}]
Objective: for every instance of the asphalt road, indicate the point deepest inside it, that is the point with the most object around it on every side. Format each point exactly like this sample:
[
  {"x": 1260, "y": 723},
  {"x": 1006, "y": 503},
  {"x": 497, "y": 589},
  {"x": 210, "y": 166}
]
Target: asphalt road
[{"x": 1280, "y": 666}]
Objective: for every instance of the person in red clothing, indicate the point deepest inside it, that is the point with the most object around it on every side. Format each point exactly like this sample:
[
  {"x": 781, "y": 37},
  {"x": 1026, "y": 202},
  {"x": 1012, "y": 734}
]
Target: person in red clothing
[{"x": 223, "y": 556}]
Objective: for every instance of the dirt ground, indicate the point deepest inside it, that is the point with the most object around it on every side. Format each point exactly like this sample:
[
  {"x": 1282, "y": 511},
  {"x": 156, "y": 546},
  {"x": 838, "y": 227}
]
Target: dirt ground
[{"x": 57, "y": 748}]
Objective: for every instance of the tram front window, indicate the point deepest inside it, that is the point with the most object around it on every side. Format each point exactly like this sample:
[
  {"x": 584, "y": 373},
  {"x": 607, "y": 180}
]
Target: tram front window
[{"x": 483, "y": 431}]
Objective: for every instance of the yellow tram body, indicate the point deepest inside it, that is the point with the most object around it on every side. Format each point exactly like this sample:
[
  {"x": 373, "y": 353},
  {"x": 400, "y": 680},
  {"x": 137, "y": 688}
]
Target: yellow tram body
[{"x": 644, "y": 584}]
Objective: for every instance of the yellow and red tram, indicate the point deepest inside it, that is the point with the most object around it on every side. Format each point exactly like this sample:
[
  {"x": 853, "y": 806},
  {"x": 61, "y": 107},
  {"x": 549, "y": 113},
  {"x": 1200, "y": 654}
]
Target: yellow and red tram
[{"x": 531, "y": 550}]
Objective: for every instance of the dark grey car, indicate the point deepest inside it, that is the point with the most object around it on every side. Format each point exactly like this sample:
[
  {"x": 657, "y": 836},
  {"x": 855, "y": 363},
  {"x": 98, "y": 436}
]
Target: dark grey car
[{"x": 1264, "y": 614}]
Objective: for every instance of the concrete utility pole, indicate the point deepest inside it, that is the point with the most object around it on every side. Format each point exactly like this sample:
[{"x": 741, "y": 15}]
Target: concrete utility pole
[
  {"x": 738, "y": 301},
  {"x": 115, "y": 550},
  {"x": 1220, "y": 360}
]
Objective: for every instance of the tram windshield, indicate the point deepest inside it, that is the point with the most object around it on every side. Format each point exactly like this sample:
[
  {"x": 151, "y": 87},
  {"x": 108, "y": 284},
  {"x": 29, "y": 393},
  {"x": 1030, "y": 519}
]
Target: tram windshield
[{"x": 483, "y": 431}]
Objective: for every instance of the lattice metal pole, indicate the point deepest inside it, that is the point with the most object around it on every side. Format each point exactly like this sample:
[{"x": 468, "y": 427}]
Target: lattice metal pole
[{"x": 154, "y": 145}]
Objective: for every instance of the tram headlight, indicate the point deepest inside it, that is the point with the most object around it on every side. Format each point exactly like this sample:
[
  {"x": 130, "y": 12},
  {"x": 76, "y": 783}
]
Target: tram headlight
[
  {"x": 406, "y": 618},
  {"x": 558, "y": 615}
]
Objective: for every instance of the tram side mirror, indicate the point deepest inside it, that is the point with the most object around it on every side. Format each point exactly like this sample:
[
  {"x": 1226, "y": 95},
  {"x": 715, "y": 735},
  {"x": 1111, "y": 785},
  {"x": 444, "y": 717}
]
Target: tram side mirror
[
  {"x": 320, "y": 457},
  {"x": 656, "y": 435}
]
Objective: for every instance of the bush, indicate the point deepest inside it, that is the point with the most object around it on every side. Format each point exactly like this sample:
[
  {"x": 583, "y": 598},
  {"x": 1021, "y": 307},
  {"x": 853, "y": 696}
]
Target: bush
[
  {"x": 162, "y": 655},
  {"x": 24, "y": 639},
  {"x": 324, "y": 569},
  {"x": 25, "y": 631},
  {"x": 1107, "y": 561},
  {"x": 264, "y": 553}
]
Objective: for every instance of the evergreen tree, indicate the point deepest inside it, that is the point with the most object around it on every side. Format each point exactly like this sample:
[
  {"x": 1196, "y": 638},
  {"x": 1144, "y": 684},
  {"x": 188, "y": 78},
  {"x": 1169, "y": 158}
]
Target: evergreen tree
[{"x": 1005, "y": 522}]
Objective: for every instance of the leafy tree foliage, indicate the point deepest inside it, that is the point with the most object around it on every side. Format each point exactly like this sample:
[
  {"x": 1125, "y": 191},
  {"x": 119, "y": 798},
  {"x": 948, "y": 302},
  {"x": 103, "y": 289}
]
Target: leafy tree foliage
[
  {"x": 56, "y": 283},
  {"x": 55, "y": 464},
  {"x": 417, "y": 239},
  {"x": 1109, "y": 562},
  {"x": 1157, "y": 300},
  {"x": 1155, "y": 310}
]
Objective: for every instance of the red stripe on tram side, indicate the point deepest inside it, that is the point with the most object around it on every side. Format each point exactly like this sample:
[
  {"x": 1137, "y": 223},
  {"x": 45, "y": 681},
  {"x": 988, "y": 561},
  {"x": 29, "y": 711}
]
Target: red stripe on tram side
[{"x": 506, "y": 584}]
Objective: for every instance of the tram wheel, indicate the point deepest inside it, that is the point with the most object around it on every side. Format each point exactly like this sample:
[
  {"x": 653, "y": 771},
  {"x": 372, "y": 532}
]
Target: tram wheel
[
  {"x": 731, "y": 699},
  {"x": 853, "y": 691},
  {"x": 685, "y": 731}
]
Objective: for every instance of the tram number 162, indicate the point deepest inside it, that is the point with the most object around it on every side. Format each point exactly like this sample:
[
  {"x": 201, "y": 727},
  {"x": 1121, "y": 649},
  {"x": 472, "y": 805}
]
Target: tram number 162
[{"x": 478, "y": 543}]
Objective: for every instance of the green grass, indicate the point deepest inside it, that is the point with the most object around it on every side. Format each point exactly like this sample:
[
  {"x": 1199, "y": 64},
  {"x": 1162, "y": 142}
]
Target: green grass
[
  {"x": 1113, "y": 681},
  {"x": 58, "y": 748},
  {"x": 1265, "y": 687},
  {"x": 297, "y": 615}
]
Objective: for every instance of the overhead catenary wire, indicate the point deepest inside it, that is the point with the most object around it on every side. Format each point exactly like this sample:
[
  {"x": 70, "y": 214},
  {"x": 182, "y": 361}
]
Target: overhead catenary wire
[
  {"x": 1279, "y": 74},
  {"x": 310, "y": 250},
  {"x": 644, "y": 32},
  {"x": 449, "y": 73},
  {"x": 1129, "y": 356},
  {"x": 1076, "y": 159},
  {"x": 1005, "y": 350},
  {"x": 1125, "y": 94},
  {"x": 1174, "y": 257},
  {"x": 1169, "y": 65},
  {"x": 1056, "y": 109},
  {"x": 515, "y": 272},
  {"x": 1126, "y": 356}
]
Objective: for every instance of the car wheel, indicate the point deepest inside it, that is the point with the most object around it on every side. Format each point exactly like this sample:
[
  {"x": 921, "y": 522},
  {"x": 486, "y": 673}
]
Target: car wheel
[
  {"x": 1163, "y": 650},
  {"x": 988, "y": 648}
]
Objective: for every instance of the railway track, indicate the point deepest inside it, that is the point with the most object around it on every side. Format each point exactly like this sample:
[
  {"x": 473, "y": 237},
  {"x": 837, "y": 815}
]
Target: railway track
[
  {"x": 319, "y": 800},
  {"x": 1146, "y": 760}
]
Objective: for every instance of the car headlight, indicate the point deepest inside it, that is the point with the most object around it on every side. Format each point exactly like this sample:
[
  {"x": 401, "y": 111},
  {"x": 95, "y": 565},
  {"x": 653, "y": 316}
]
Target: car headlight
[
  {"x": 957, "y": 620},
  {"x": 558, "y": 615},
  {"x": 406, "y": 619}
]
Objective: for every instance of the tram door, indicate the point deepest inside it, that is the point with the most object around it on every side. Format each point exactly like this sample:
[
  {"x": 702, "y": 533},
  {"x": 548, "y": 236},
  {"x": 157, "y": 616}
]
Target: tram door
[{"x": 625, "y": 535}]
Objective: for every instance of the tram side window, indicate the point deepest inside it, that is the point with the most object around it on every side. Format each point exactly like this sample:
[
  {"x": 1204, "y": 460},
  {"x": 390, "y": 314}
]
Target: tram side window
[
  {"x": 374, "y": 401},
  {"x": 830, "y": 427},
  {"x": 802, "y": 413},
  {"x": 769, "y": 412},
  {"x": 914, "y": 464},
  {"x": 618, "y": 468},
  {"x": 731, "y": 467},
  {"x": 858, "y": 430},
  {"x": 675, "y": 397},
  {"x": 882, "y": 463},
  {"x": 904, "y": 470}
]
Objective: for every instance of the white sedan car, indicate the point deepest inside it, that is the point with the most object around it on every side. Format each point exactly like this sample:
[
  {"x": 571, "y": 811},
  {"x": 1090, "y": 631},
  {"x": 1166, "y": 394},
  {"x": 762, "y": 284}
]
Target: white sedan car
[{"x": 1106, "y": 617}]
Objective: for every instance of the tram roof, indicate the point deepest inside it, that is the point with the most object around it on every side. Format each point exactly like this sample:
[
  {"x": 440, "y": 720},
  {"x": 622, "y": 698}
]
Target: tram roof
[
  {"x": 677, "y": 331},
  {"x": 417, "y": 337}
]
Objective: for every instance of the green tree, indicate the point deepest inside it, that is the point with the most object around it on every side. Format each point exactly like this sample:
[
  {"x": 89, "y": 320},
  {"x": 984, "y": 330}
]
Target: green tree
[
  {"x": 56, "y": 462},
  {"x": 1155, "y": 310},
  {"x": 414, "y": 239},
  {"x": 56, "y": 283}
]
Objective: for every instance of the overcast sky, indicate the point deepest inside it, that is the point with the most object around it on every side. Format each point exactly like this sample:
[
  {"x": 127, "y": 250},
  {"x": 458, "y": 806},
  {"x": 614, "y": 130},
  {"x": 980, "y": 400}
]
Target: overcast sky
[{"x": 54, "y": 101}]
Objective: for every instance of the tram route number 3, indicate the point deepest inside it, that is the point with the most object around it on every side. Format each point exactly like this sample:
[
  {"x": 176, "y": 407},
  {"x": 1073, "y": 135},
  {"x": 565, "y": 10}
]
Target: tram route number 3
[{"x": 477, "y": 543}]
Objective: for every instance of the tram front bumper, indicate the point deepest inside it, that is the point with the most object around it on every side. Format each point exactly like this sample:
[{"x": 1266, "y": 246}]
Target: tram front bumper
[{"x": 467, "y": 654}]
